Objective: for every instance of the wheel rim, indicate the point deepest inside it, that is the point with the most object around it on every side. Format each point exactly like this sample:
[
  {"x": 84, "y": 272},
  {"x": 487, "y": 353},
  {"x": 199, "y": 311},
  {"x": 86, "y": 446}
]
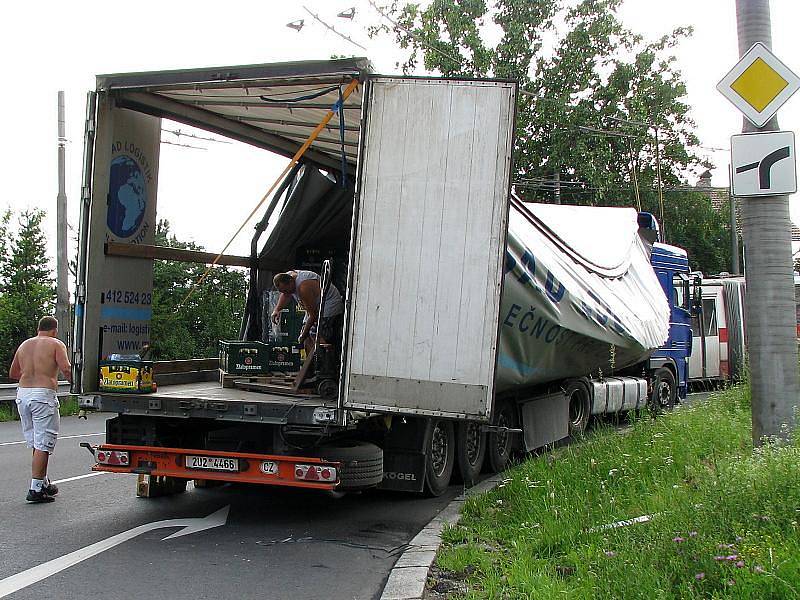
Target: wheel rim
[
  {"x": 501, "y": 438},
  {"x": 439, "y": 450},
  {"x": 473, "y": 443},
  {"x": 577, "y": 409},
  {"x": 664, "y": 393}
]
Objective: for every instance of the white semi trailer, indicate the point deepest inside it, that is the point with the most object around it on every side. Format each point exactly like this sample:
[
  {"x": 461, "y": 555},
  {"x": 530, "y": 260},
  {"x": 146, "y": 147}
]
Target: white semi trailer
[{"x": 475, "y": 323}]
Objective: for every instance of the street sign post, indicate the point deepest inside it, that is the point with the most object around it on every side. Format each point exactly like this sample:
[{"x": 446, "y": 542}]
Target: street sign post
[
  {"x": 763, "y": 164},
  {"x": 759, "y": 84}
]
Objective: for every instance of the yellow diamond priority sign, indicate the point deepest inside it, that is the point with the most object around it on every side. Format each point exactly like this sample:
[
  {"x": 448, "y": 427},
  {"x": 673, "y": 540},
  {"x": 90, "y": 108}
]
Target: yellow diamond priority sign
[{"x": 759, "y": 84}]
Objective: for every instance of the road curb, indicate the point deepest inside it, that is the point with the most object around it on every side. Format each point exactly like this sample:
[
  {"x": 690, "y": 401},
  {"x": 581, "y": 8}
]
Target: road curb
[{"x": 409, "y": 574}]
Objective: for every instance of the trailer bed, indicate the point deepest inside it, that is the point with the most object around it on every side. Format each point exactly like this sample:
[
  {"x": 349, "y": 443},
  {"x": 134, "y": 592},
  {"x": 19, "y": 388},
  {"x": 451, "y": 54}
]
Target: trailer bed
[{"x": 207, "y": 400}]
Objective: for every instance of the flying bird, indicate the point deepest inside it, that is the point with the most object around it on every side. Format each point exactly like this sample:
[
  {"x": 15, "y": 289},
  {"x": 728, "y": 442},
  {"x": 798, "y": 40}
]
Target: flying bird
[
  {"x": 296, "y": 25},
  {"x": 348, "y": 14}
]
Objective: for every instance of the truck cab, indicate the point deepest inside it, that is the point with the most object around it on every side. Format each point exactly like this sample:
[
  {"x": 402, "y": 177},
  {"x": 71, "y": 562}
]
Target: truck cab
[{"x": 671, "y": 266}]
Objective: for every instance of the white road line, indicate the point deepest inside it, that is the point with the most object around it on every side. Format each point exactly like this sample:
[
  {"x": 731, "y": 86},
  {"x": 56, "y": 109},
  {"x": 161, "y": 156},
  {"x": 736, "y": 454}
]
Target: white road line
[
  {"x": 92, "y": 474},
  {"x": 61, "y": 437},
  {"x": 11, "y": 584}
]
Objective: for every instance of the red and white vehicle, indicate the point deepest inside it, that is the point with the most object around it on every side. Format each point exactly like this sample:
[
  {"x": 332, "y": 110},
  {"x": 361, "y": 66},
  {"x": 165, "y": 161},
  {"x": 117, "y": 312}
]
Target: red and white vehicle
[{"x": 718, "y": 346}]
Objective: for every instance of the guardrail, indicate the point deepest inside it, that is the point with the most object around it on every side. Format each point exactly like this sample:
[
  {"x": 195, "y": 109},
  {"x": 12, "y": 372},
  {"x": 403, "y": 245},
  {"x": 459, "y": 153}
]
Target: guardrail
[{"x": 166, "y": 372}]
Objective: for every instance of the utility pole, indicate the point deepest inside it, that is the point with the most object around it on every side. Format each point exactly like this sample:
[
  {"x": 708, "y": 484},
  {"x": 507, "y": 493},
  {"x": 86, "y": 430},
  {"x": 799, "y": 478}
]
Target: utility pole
[
  {"x": 62, "y": 270},
  {"x": 558, "y": 187},
  {"x": 770, "y": 307},
  {"x": 735, "y": 268},
  {"x": 660, "y": 186}
]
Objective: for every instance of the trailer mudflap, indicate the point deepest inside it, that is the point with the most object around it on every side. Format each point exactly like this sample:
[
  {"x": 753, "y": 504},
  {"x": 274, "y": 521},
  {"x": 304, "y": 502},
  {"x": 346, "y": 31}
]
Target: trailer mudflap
[{"x": 266, "y": 469}]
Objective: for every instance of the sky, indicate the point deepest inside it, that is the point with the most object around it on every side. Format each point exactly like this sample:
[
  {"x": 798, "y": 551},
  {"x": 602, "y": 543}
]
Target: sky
[{"x": 206, "y": 194}]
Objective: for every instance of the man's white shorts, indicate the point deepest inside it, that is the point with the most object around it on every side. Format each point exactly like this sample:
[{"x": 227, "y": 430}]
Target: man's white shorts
[{"x": 38, "y": 411}]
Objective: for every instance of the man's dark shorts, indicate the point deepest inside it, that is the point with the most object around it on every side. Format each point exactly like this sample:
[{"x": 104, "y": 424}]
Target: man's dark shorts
[{"x": 330, "y": 328}]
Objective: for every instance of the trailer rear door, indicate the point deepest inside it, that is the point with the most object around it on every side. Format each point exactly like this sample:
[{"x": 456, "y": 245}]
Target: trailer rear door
[{"x": 429, "y": 238}]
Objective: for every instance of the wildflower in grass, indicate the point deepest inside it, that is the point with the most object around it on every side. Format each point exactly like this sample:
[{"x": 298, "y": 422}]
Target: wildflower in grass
[
  {"x": 692, "y": 534},
  {"x": 758, "y": 569},
  {"x": 718, "y": 558},
  {"x": 678, "y": 539},
  {"x": 732, "y": 557},
  {"x": 700, "y": 576},
  {"x": 725, "y": 546},
  {"x": 739, "y": 564},
  {"x": 738, "y": 538},
  {"x": 731, "y": 582},
  {"x": 613, "y": 472},
  {"x": 610, "y": 553}
]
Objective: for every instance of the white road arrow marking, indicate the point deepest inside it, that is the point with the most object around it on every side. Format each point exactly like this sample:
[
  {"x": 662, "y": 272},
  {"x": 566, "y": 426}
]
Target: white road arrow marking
[{"x": 9, "y": 585}]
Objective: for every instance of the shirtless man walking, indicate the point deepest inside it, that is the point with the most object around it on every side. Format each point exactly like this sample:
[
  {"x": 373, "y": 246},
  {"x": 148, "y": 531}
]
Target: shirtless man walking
[{"x": 36, "y": 366}]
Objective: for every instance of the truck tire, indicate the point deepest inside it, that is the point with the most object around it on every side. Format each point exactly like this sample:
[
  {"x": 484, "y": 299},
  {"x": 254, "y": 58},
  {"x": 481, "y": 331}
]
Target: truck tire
[
  {"x": 439, "y": 457},
  {"x": 664, "y": 391},
  {"x": 361, "y": 463},
  {"x": 470, "y": 451},
  {"x": 580, "y": 408},
  {"x": 499, "y": 445}
]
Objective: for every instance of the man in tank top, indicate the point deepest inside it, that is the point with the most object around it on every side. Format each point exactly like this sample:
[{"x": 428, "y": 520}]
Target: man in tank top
[{"x": 305, "y": 288}]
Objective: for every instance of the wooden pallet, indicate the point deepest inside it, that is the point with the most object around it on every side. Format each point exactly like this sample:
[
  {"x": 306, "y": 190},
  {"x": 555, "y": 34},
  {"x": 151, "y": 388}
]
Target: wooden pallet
[{"x": 227, "y": 379}]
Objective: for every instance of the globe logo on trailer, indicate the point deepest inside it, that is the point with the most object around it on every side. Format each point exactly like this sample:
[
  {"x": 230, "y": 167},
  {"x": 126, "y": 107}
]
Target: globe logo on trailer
[{"x": 127, "y": 197}]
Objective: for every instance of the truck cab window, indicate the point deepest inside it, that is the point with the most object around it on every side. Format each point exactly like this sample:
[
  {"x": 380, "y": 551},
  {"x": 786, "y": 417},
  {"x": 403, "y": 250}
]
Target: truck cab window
[{"x": 680, "y": 291}]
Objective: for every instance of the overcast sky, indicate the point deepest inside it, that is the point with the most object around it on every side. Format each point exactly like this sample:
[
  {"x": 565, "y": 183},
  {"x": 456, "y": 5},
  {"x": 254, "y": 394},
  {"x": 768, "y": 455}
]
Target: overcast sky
[{"x": 51, "y": 46}]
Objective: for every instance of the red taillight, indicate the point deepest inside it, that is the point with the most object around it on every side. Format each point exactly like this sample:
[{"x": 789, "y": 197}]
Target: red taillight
[
  {"x": 314, "y": 473},
  {"x": 119, "y": 458}
]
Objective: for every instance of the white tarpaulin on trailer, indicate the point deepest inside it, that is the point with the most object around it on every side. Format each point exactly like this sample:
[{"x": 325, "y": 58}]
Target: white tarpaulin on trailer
[{"x": 579, "y": 294}]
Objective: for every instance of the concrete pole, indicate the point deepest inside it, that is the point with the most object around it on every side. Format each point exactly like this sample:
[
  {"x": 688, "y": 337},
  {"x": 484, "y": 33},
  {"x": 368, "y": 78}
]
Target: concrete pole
[
  {"x": 62, "y": 267},
  {"x": 770, "y": 308}
]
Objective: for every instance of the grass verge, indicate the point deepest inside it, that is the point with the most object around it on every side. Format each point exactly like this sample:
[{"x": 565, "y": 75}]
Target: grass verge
[
  {"x": 69, "y": 406},
  {"x": 724, "y": 518}
]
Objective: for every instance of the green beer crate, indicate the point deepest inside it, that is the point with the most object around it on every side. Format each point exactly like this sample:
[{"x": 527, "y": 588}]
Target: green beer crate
[{"x": 257, "y": 358}]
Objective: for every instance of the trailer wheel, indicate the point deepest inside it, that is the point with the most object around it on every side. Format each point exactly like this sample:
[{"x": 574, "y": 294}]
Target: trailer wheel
[
  {"x": 470, "y": 451},
  {"x": 664, "y": 391},
  {"x": 499, "y": 445},
  {"x": 580, "y": 408},
  {"x": 361, "y": 463},
  {"x": 439, "y": 458}
]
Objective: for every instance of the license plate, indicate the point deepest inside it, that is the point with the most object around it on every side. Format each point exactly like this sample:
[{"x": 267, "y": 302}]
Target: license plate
[{"x": 212, "y": 463}]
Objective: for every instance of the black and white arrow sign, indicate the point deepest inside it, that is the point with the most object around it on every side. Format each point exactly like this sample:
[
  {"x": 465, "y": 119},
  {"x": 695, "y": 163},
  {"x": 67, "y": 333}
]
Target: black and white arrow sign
[{"x": 763, "y": 164}]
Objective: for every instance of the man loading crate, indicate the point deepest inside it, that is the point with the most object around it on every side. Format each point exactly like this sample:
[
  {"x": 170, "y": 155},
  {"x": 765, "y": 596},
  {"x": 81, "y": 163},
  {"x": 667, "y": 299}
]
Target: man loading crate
[{"x": 306, "y": 288}]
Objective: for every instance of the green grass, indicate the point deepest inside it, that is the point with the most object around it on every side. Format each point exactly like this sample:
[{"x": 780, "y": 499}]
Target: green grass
[
  {"x": 725, "y": 521},
  {"x": 69, "y": 407}
]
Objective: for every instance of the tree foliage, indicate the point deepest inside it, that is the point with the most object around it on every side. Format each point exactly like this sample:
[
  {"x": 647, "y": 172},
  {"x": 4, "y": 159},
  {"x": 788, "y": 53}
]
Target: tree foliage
[
  {"x": 27, "y": 292},
  {"x": 599, "y": 107},
  {"x": 213, "y": 312}
]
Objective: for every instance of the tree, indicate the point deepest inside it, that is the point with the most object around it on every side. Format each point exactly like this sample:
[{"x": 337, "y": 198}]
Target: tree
[
  {"x": 213, "y": 312},
  {"x": 26, "y": 284},
  {"x": 598, "y": 118}
]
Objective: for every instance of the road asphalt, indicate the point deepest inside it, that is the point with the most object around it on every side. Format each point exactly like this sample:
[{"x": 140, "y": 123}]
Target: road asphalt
[{"x": 276, "y": 543}]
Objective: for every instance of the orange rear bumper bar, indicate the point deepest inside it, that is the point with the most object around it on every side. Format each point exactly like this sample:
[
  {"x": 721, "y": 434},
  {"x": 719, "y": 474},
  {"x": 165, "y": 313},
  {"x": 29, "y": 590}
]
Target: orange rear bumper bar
[{"x": 171, "y": 462}]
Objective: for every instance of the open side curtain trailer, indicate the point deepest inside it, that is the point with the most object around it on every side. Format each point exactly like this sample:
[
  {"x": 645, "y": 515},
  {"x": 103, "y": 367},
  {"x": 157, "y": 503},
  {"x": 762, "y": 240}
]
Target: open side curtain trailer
[{"x": 475, "y": 323}]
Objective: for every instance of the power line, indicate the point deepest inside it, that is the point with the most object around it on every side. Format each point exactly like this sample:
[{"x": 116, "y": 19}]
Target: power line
[
  {"x": 179, "y": 133},
  {"x": 183, "y": 145}
]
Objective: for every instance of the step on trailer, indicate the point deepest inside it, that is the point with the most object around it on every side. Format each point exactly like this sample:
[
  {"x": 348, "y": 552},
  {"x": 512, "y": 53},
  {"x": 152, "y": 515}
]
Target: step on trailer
[{"x": 471, "y": 317}]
